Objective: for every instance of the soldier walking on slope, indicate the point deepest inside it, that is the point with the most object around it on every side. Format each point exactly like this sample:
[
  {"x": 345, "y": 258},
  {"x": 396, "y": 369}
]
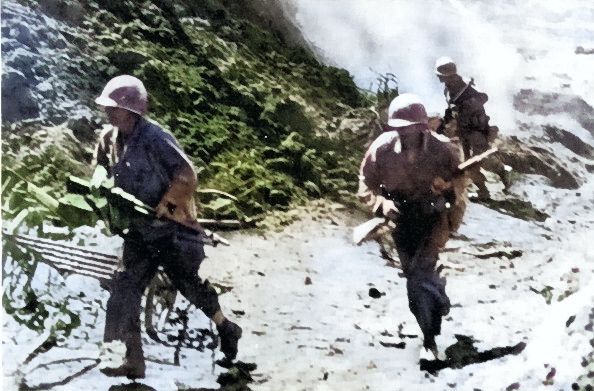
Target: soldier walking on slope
[
  {"x": 148, "y": 163},
  {"x": 466, "y": 119},
  {"x": 411, "y": 177}
]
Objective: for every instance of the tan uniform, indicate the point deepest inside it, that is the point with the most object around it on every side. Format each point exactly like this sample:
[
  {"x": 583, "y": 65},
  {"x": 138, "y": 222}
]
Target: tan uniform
[
  {"x": 429, "y": 192},
  {"x": 410, "y": 179}
]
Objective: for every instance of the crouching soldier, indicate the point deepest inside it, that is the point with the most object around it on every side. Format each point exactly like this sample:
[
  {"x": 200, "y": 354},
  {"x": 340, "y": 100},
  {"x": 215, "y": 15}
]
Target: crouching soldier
[
  {"x": 412, "y": 178},
  {"x": 148, "y": 163}
]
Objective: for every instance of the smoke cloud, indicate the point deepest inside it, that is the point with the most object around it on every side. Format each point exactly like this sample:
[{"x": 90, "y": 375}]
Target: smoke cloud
[{"x": 503, "y": 45}]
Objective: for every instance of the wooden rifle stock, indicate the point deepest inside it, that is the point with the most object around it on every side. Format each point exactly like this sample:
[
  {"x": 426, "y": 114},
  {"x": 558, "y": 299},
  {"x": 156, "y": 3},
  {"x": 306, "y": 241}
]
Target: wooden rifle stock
[{"x": 473, "y": 161}]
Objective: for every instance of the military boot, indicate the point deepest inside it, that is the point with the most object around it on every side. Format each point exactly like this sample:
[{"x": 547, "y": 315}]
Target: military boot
[
  {"x": 229, "y": 334},
  {"x": 131, "y": 371},
  {"x": 116, "y": 361}
]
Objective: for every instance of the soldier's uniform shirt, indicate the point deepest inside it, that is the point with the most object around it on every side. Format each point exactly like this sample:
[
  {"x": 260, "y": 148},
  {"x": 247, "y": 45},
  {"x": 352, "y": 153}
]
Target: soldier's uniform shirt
[
  {"x": 145, "y": 164},
  {"x": 408, "y": 175}
]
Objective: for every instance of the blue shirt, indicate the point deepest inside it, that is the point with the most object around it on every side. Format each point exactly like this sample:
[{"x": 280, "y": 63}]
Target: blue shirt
[{"x": 145, "y": 164}]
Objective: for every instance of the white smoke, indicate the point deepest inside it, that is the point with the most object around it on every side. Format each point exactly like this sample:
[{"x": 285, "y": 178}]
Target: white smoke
[{"x": 504, "y": 46}]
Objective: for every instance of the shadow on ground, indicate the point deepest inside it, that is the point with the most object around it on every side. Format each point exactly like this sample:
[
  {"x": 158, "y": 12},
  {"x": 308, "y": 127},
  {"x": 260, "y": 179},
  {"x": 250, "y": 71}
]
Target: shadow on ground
[
  {"x": 236, "y": 378},
  {"x": 464, "y": 353}
]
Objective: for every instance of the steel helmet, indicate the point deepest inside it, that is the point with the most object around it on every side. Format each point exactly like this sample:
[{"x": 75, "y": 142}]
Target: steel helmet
[
  {"x": 126, "y": 92},
  {"x": 405, "y": 110},
  {"x": 445, "y": 66}
]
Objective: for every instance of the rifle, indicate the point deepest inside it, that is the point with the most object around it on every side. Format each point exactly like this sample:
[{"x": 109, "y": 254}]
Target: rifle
[
  {"x": 119, "y": 200},
  {"x": 363, "y": 232},
  {"x": 473, "y": 161}
]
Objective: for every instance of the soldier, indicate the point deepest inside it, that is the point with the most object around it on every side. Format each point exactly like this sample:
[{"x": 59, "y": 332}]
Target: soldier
[
  {"x": 466, "y": 119},
  {"x": 148, "y": 163},
  {"x": 411, "y": 177}
]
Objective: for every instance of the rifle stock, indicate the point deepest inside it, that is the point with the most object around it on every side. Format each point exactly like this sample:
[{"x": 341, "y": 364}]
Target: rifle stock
[
  {"x": 473, "y": 161},
  {"x": 362, "y": 232}
]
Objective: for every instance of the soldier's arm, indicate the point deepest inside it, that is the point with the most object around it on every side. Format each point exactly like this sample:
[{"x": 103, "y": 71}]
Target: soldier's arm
[
  {"x": 458, "y": 196},
  {"x": 178, "y": 201},
  {"x": 370, "y": 190},
  {"x": 458, "y": 208},
  {"x": 365, "y": 194}
]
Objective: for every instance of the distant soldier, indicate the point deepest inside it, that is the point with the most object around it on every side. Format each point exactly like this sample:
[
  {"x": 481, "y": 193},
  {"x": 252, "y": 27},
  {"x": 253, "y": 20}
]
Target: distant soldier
[
  {"x": 466, "y": 119},
  {"x": 410, "y": 176},
  {"x": 148, "y": 163}
]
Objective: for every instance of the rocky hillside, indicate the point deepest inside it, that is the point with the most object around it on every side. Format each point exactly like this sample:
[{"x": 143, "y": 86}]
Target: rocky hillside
[
  {"x": 266, "y": 121},
  {"x": 262, "y": 119}
]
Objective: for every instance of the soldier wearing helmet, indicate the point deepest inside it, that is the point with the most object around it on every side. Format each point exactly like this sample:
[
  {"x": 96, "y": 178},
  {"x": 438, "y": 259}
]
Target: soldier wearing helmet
[
  {"x": 411, "y": 177},
  {"x": 149, "y": 163},
  {"x": 465, "y": 118}
]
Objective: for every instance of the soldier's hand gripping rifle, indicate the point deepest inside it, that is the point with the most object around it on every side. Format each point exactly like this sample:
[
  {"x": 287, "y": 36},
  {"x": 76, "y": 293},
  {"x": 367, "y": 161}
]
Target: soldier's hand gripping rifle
[
  {"x": 364, "y": 231},
  {"x": 122, "y": 208}
]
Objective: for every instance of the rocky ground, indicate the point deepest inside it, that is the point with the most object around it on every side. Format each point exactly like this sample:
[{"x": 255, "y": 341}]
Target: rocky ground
[
  {"x": 321, "y": 327},
  {"x": 321, "y": 313}
]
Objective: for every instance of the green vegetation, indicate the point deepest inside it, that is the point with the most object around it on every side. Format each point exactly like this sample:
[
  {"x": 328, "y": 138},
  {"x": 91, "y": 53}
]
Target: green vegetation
[
  {"x": 261, "y": 120},
  {"x": 257, "y": 117},
  {"x": 35, "y": 167}
]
